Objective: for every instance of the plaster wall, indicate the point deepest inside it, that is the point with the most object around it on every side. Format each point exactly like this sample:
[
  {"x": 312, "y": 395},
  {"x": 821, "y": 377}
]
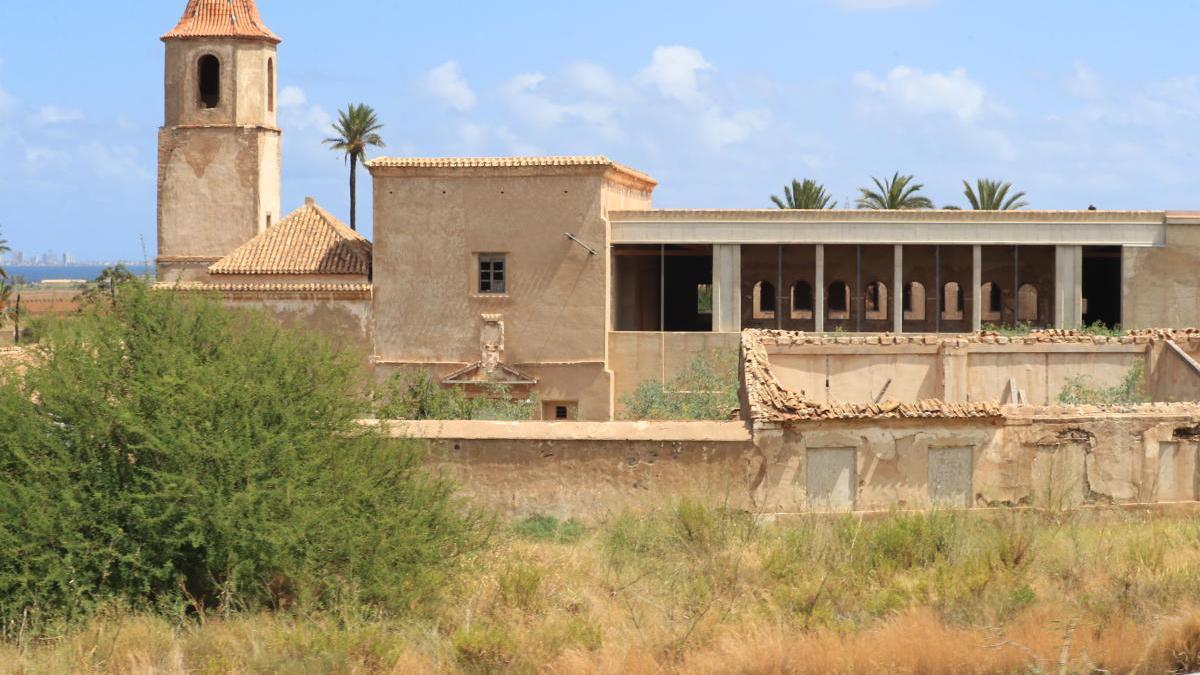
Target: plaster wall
[
  {"x": 244, "y": 83},
  {"x": 659, "y": 357},
  {"x": 1162, "y": 285},
  {"x": 980, "y": 372},
  {"x": 345, "y": 323},
  {"x": 1059, "y": 459}
]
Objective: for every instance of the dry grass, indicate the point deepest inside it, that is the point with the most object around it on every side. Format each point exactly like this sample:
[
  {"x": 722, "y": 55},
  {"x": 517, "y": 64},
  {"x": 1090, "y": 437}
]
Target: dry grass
[{"x": 692, "y": 589}]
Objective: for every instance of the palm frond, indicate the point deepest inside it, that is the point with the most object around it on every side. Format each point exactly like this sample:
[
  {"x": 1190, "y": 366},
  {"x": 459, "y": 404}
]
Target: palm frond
[
  {"x": 807, "y": 194},
  {"x": 993, "y": 195},
  {"x": 895, "y": 193}
]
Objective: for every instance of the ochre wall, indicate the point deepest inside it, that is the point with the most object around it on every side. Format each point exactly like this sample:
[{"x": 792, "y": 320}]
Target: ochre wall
[
  {"x": 219, "y": 168},
  {"x": 429, "y": 226},
  {"x": 1054, "y": 458},
  {"x": 978, "y": 372},
  {"x": 660, "y": 357},
  {"x": 345, "y": 323},
  {"x": 1162, "y": 285}
]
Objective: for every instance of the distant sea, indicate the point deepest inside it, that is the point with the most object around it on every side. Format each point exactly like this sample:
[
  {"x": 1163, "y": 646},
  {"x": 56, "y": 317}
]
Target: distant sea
[{"x": 36, "y": 273}]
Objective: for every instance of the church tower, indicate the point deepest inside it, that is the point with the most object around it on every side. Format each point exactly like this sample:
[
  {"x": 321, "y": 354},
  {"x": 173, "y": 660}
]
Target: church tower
[{"x": 219, "y": 147}]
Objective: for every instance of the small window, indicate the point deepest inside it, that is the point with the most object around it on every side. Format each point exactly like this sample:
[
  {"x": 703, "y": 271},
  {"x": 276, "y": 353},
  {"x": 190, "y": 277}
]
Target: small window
[
  {"x": 210, "y": 81},
  {"x": 838, "y": 300},
  {"x": 270, "y": 85},
  {"x": 493, "y": 274},
  {"x": 764, "y": 300},
  {"x": 876, "y": 301},
  {"x": 560, "y": 411},
  {"x": 802, "y": 300},
  {"x": 704, "y": 299},
  {"x": 914, "y": 301}
]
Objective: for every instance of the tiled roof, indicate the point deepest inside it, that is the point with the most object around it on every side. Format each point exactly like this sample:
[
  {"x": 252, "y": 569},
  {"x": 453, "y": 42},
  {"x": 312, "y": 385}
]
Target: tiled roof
[
  {"x": 222, "y": 18},
  {"x": 308, "y": 241},
  {"x": 506, "y": 162}
]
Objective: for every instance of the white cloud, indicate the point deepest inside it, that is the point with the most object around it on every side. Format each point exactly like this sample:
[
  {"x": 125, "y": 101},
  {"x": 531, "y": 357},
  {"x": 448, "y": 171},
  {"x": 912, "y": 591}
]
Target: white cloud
[
  {"x": 719, "y": 130},
  {"x": 878, "y": 5},
  {"x": 675, "y": 72},
  {"x": 525, "y": 96},
  {"x": 1085, "y": 83},
  {"x": 594, "y": 80},
  {"x": 297, "y": 114},
  {"x": 446, "y": 84},
  {"x": 912, "y": 89},
  {"x": 472, "y": 134},
  {"x": 52, "y": 114}
]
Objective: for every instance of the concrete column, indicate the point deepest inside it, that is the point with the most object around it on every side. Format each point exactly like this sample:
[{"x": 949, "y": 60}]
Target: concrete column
[
  {"x": 976, "y": 288},
  {"x": 898, "y": 290},
  {"x": 819, "y": 291},
  {"x": 1068, "y": 287},
  {"x": 727, "y": 288}
]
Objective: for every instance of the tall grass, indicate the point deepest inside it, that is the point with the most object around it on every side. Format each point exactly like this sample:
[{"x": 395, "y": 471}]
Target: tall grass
[{"x": 696, "y": 587}]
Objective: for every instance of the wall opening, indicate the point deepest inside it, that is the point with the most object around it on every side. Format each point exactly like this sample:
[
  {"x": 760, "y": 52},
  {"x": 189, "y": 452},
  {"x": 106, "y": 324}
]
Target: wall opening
[
  {"x": 838, "y": 300},
  {"x": 662, "y": 288},
  {"x": 953, "y": 308},
  {"x": 802, "y": 300},
  {"x": 914, "y": 301},
  {"x": 270, "y": 85},
  {"x": 993, "y": 302},
  {"x": 876, "y": 300},
  {"x": 764, "y": 300},
  {"x": 1102, "y": 285},
  {"x": 209, "y": 78},
  {"x": 1028, "y": 296}
]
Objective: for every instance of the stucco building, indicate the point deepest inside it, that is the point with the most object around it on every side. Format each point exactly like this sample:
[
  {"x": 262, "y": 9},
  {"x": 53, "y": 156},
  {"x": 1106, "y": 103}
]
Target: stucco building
[{"x": 557, "y": 275}]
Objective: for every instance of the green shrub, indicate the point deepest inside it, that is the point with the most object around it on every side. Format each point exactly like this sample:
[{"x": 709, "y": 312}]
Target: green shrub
[
  {"x": 549, "y": 528},
  {"x": 172, "y": 454},
  {"x": 417, "y": 396},
  {"x": 708, "y": 390},
  {"x": 1083, "y": 390}
]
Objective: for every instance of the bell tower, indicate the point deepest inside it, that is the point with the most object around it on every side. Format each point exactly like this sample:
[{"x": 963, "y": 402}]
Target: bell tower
[{"x": 219, "y": 147}]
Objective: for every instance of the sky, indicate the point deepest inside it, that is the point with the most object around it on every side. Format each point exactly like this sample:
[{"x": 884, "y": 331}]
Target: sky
[{"x": 1077, "y": 102}]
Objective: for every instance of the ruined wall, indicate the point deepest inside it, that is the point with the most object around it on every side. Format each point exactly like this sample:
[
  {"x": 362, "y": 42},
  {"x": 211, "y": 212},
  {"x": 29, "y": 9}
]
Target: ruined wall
[
  {"x": 588, "y": 469},
  {"x": 1046, "y": 457},
  {"x": 975, "y": 368},
  {"x": 1162, "y": 285}
]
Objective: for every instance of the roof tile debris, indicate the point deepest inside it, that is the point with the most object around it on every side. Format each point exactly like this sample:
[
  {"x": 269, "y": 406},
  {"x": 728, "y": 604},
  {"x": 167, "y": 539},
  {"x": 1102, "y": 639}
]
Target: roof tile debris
[
  {"x": 222, "y": 19},
  {"x": 771, "y": 402},
  {"x": 307, "y": 241}
]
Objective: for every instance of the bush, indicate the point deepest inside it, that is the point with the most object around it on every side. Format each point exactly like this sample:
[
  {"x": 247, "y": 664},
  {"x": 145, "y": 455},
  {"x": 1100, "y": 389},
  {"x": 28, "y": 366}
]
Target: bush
[
  {"x": 170, "y": 454},
  {"x": 707, "y": 391},
  {"x": 1083, "y": 390},
  {"x": 550, "y": 529},
  {"x": 417, "y": 396}
]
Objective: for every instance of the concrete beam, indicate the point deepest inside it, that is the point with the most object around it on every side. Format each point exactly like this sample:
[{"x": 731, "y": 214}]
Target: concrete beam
[
  {"x": 898, "y": 291},
  {"x": 977, "y": 288},
  {"x": 819, "y": 291},
  {"x": 1068, "y": 287},
  {"x": 650, "y": 228},
  {"x": 727, "y": 288}
]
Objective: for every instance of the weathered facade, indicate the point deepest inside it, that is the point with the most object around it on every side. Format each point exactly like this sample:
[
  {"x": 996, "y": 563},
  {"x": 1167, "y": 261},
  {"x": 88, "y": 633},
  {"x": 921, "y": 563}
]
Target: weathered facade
[{"x": 556, "y": 276}]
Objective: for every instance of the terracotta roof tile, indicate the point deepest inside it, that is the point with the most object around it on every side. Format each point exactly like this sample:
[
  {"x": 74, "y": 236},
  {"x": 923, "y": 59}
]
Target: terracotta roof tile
[
  {"x": 317, "y": 288},
  {"x": 506, "y": 162},
  {"x": 308, "y": 241},
  {"x": 222, "y": 18}
]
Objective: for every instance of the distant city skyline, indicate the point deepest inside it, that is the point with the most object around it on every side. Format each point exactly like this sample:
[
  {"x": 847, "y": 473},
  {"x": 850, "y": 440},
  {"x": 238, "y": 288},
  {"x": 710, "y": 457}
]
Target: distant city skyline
[{"x": 1076, "y": 102}]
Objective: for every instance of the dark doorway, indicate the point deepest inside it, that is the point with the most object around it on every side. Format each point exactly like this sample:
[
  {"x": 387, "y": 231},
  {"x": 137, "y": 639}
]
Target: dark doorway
[{"x": 1102, "y": 285}]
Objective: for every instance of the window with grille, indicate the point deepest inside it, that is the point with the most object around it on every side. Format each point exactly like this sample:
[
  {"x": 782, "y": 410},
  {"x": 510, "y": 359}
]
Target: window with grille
[{"x": 493, "y": 274}]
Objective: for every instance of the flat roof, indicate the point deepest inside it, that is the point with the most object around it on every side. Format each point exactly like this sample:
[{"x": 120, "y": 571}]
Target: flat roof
[{"x": 923, "y": 227}]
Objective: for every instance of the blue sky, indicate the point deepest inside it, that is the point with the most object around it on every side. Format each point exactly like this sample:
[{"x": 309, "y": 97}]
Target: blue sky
[{"x": 1077, "y": 101}]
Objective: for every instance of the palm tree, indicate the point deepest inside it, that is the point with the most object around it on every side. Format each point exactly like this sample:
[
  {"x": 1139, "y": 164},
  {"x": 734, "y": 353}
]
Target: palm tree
[
  {"x": 357, "y": 127},
  {"x": 895, "y": 193},
  {"x": 807, "y": 195},
  {"x": 992, "y": 195}
]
